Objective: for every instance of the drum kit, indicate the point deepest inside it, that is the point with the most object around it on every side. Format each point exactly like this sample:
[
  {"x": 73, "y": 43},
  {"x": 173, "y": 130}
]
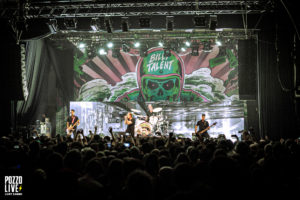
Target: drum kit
[{"x": 156, "y": 123}]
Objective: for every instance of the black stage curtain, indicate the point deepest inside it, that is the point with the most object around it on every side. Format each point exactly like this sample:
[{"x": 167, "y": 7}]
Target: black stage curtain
[
  {"x": 279, "y": 118},
  {"x": 49, "y": 72}
]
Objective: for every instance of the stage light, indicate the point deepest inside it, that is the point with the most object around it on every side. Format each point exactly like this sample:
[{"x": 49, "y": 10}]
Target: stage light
[
  {"x": 195, "y": 48},
  {"x": 81, "y": 45},
  {"x": 110, "y": 45},
  {"x": 137, "y": 44},
  {"x": 125, "y": 48},
  {"x": 102, "y": 51},
  {"x": 187, "y": 43},
  {"x": 200, "y": 21},
  {"x": 169, "y": 23},
  {"x": 161, "y": 44},
  {"x": 183, "y": 49},
  {"x": 218, "y": 43},
  {"x": 95, "y": 24},
  {"x": 145, "y": 22},
  {"x": 207, "y": 46},
  {"x": 108, "y": 25},
  {"x": 167, "y": 52},
  {"x": 124, "y": 24},
  {"x": 143, "y": 50},
  {"x": 70, "y": 23},
  {"x": 213, "y": 21},
  {"x": 115, "y": 52},
  {"x": 52, "y": 24}
]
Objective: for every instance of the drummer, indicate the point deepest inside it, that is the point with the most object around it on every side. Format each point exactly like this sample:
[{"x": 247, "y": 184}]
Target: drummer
[{"x": 150, "y": 113}]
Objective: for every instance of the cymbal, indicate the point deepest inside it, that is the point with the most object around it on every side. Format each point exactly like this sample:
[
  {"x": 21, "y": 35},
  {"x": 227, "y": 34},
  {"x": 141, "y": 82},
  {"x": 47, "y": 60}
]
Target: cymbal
[
  {"x": 135, "y": 110},
  {"x": 157, "y": 109}
]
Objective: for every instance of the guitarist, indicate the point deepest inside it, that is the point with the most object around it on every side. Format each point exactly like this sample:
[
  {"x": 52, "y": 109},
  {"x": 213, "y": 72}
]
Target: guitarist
[
  {"x": 202, "y": 124},
  {"x": 71, "y": 121}
]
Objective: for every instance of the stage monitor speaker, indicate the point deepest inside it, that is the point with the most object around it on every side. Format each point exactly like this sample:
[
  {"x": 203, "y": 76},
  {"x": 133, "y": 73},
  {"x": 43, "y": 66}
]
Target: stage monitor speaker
[{"x": 247, "y": 58}]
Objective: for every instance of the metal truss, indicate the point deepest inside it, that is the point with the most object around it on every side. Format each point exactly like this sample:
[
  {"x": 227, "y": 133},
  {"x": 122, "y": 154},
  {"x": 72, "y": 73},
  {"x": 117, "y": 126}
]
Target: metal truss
[
  {"x": 154, "y": 35},
  {"x": 62, "y": 9}
]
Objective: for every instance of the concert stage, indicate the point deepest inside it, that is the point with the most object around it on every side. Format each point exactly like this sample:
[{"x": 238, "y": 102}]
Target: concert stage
[{"x": 177, "y": 117}]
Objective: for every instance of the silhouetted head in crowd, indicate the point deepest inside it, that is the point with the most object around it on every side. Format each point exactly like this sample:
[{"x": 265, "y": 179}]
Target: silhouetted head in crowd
[
  {"x": 73, "y": 160},
  {"x": 139, "y": 185}
]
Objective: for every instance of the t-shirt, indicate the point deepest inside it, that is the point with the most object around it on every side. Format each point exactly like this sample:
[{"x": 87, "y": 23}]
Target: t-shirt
[
  {"x": 72, "y": 120},
  {"x": 130, "y": 127},
  {"x": 202, "y": 125}
]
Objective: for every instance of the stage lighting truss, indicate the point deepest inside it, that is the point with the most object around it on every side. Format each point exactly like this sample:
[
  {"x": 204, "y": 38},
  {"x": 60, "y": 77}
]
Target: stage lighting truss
[
  {"x": 70, "y": 23},
  {"x": 60, "y": 9}
]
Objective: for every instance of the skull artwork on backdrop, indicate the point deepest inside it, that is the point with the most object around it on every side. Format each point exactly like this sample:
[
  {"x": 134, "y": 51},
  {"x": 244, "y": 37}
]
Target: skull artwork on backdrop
[{"x": 161, "y": 77}]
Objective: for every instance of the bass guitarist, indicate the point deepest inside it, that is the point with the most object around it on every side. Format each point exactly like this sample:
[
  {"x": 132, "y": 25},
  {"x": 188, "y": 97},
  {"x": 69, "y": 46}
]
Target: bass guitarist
[
  {"x": 202, "y": 124},
  {"x": 72, "y": 123}
]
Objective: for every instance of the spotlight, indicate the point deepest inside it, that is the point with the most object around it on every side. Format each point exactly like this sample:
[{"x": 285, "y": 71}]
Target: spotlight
[
  {"x": 143, "y": 51},
  {"x": 195, "y": 48},
  {"x": 218, "y": 43},
  {"x": 145, "y": 22},
  {"x": 108, "y": 25},
  {"x": 213, "y": 21},
  {"x": 70, "y": 23},
  {"x": 160, "y": 43},
  {"x": 124, "y": 24},
  {"x": 95, "y": 24},
  {"x": 200, "y": 21},
  {"x": 125, "y": 48},
  {"x": 52, "y": 24},
  {"x": 137, "y": 44},
  {"x": 169, "y": 23},
  {"x": 115, "y": 52},
  {"x": 167, "y": 52},
  {"x": 187, "y": 43},
  {"x": 102, "y": 51},
  {"x": 183, "y": 49},
  {"x": 110, "y": 45},
  {"x": 207, "y": 46},
  {"x": 81, "y": 45}
]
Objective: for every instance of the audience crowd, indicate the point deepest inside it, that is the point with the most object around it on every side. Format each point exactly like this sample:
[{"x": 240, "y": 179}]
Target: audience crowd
[{"x": 160, "y": 167}]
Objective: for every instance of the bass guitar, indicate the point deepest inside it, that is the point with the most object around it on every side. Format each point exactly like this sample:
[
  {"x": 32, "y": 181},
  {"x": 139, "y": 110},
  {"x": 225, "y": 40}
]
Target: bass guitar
[
  {"x": 204, "y": 130},
  {"x": 70, "y": 129}
]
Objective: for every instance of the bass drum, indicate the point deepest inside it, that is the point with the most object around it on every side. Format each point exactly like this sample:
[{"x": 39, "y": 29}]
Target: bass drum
[{"x": 143, "y": 129}]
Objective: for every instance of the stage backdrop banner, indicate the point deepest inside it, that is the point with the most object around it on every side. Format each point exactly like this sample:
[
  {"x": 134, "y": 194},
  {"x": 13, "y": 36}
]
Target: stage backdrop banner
[{"x": 209, "y": 77}]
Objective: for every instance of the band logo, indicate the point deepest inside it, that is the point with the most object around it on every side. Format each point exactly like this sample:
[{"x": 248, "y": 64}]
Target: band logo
[{"x": 13, "y": 185}]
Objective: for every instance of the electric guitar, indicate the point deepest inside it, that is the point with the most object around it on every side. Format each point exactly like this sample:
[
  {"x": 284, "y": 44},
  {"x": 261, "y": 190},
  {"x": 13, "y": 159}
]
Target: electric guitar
[
  {"x": 204, "y": 130},
  {"x": 70, "y": 129}
]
